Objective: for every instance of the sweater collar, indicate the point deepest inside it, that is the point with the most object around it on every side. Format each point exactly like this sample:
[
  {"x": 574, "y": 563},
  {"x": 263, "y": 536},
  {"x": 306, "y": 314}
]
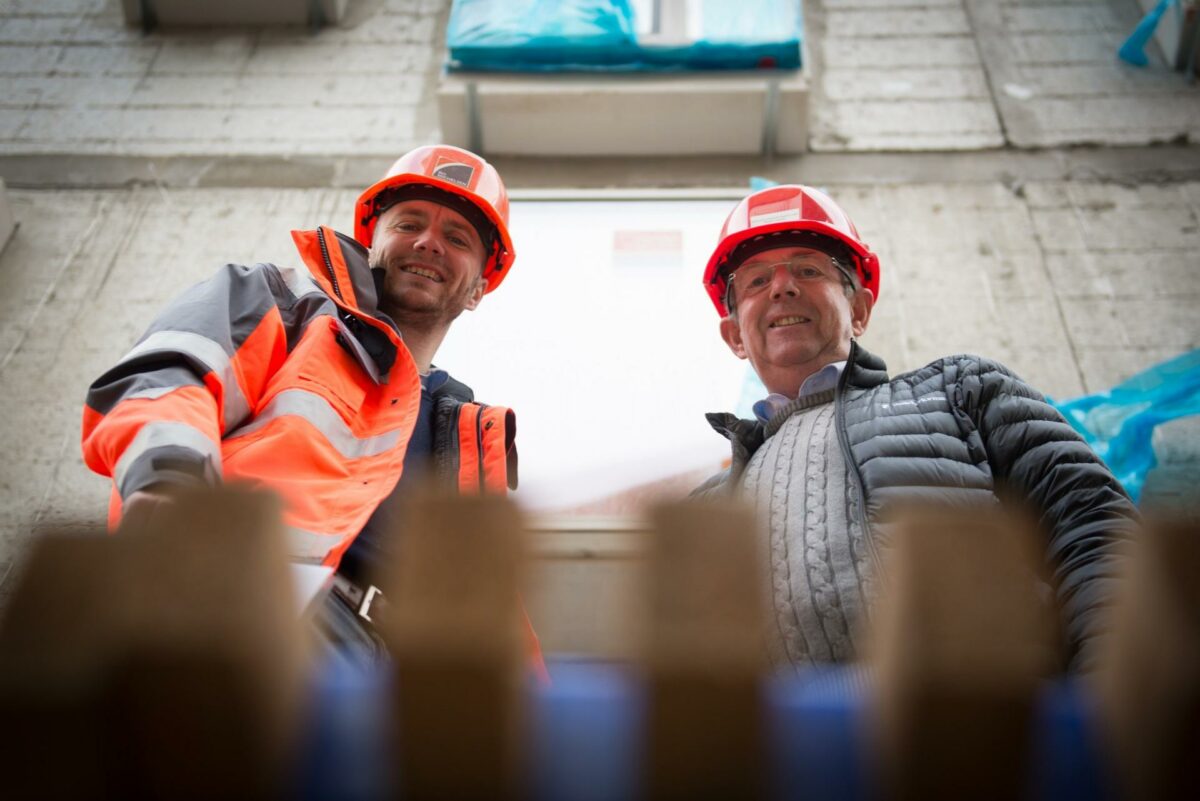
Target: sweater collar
[
  {"x": 863, "y": 370},
  {"x": 824, "y": 379}
]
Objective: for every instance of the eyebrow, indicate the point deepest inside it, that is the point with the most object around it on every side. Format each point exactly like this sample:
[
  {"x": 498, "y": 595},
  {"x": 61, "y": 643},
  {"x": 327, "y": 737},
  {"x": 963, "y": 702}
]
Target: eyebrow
[
  {"x": 466, "y": 228},
  {"x": 455, "y": 224}
]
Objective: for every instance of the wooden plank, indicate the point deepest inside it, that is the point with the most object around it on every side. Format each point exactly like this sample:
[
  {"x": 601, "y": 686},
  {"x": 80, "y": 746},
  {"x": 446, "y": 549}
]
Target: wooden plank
[
  {"x": 705, "y": 655},
  {"x": 453, "y": 624},
  {"x": 1148, "y": 683},
  {"x": 166, "y": 661},
  {"x": 959, "y": 646}
]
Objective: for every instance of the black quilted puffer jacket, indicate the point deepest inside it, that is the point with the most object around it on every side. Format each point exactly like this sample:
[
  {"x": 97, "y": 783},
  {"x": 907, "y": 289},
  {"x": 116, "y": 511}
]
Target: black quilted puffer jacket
[{"x": 965, "y": 429}]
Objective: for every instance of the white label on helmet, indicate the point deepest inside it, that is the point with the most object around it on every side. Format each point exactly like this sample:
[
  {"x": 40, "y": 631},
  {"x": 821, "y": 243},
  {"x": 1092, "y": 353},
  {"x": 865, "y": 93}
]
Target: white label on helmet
[
  {"x": 768, "y": 217},
  {"x": 454, "y": 172}
]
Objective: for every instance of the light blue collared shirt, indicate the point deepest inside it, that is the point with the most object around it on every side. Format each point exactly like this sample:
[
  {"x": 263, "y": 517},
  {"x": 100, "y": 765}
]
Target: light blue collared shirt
[{"x": 824, "y": 379}]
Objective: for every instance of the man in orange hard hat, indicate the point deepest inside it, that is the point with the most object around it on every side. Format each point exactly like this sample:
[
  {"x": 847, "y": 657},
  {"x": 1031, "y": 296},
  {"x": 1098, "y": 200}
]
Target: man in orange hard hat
[
  {"x": 837, "y": 441},
  {"x": 319, "y": 381}
]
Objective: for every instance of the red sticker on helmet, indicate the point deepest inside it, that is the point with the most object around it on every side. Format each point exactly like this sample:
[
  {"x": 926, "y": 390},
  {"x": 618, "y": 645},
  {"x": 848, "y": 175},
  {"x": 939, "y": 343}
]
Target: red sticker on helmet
[{"x": 455, "y": 172}]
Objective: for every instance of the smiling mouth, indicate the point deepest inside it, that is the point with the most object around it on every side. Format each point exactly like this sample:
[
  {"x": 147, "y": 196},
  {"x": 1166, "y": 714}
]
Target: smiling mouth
[
  {"x": 421, "y": 271},
  {"x": 786, "y": 321}
]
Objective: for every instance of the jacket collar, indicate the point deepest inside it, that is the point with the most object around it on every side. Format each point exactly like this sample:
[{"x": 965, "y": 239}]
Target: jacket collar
[
  {"x": 339, "y": 266},
  {"x": 864, "y": 369}
]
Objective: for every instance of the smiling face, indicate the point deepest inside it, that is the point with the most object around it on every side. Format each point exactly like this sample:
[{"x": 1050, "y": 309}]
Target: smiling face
[
  {"x": 792, "y": 315},
  {"x": 432, "y": 260}
]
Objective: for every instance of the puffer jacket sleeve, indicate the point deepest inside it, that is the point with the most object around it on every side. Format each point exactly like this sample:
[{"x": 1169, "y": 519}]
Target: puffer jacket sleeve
[
  {"x": 159, "y": 415},
  {"x": 1037, "y": 458}
]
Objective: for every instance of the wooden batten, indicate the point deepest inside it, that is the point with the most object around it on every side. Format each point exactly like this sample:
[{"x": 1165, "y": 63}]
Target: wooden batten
[
  {"x": 1148, "y": 679},
  {"x": 453, "y": 624},
  {"x": 165, "y": 661},
  {"x": 705, "y": 656},
  {"x": 959, "y": 646}
]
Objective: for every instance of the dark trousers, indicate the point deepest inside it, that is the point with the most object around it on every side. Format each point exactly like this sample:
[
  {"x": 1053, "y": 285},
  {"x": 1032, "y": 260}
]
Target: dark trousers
[{"x": 346, "y": 639}]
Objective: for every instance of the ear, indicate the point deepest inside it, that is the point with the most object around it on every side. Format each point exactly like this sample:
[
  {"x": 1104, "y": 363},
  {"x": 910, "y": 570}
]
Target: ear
[
  {"x": 860, "y": 311},
  {"x": 731, "y": 332},
  {"x": 476, "y": 294}
]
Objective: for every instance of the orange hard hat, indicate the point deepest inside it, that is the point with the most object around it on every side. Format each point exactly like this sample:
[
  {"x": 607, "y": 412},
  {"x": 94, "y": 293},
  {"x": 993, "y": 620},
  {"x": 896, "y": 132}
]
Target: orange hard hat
[
  {"x": 776, "y": 212},
  {"x": 458, "y": 172}
]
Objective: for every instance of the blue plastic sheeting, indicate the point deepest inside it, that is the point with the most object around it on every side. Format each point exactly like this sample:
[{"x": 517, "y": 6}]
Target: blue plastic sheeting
[
  {"x": 1118, "y": 424},
  {"x": 603, "y": 36}
]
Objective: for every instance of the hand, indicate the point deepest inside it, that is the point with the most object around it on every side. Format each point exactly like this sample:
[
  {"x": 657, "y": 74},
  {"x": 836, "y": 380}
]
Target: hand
[{"x": 142, "y": 506}]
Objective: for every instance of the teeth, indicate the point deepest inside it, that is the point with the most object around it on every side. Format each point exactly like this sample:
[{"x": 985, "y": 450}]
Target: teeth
[
  {"x": 788, "y": 321},
  {"x": 421, "y": 271}
]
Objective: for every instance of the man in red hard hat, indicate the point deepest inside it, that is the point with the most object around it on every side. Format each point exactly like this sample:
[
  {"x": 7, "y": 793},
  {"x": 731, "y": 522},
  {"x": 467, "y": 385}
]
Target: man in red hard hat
[
  {"x": 319, "y": 381},
  {"x": 837, "y": 441}
]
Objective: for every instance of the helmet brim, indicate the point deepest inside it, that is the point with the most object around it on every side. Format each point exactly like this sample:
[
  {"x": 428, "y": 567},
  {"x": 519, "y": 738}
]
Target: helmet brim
[{"x": 866, "y": 262}]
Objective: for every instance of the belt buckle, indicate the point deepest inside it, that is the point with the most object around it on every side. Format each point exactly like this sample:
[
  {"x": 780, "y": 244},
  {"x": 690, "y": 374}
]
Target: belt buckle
[{"x": 364, "y": 609}]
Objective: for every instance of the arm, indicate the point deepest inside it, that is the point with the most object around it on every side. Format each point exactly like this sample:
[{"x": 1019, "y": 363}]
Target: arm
[
  {"x": 157, "y": 418},
  {"x": 1036, "y": 457}
]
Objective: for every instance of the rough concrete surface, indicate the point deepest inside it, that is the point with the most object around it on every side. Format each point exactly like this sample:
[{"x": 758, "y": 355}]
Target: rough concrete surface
[
  {"x": 996, "y": 154},
  {"x": 78, "y": 80}
]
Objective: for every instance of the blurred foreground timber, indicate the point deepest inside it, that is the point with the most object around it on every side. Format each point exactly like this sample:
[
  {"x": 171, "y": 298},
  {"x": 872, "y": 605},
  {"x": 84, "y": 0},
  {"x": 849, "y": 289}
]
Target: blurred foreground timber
[{"x": 169, "y": 661}]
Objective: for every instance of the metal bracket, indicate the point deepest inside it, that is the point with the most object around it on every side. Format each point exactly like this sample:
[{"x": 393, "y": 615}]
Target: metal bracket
[
  {"x": 770, "y": 118},
  {"x": 474, "y": 125}
]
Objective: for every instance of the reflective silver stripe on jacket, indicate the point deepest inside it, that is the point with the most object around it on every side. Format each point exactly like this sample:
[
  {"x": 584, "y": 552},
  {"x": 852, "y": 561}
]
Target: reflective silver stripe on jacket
[
  {"x": 320, "y": 415},
  {"x": 309, "y": 547},
  {"x": 299, "y": 282},
  {"x": 150, "y": 393},
  {"x": 208, "y": 353},
  {"x": 163, "y": 434}
]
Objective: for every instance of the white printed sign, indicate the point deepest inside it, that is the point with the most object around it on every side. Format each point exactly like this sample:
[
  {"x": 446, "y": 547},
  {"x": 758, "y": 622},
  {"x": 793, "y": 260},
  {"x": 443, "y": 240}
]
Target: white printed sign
[{"x": 766, "y": 218}]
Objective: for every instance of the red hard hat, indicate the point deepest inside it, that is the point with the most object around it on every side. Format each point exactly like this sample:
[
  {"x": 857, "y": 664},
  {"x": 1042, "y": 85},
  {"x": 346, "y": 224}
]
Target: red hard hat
[
  {"x": 459, "y": 172},
  {"x": 781, "y": 209}
]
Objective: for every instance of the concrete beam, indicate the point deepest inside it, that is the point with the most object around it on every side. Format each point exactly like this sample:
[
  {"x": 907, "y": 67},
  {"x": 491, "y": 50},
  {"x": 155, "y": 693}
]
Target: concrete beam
[
  {"x": 151, "y": 13},
  {"x": 670, "y": 115},
  {"x": 1121, "y": 164}
]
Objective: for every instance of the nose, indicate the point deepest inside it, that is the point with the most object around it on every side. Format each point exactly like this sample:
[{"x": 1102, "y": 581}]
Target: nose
[
  {"x": 782, "y": 282},
  {"x": 428, "y": 241}
]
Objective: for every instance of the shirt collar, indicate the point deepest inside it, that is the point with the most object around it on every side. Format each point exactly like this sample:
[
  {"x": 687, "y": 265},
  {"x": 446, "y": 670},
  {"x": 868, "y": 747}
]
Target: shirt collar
[
  {"x": 824, "y": 379},
  {"x": 434, "y": 379}
]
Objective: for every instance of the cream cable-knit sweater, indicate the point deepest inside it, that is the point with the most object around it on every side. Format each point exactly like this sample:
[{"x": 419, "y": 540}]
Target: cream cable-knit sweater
[{"x": 812, "y": 536}]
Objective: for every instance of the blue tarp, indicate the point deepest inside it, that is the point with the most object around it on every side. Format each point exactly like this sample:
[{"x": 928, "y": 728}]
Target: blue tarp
[
  {"x": 610, "y": 36},
  {"x": 1119, "y": 423}
]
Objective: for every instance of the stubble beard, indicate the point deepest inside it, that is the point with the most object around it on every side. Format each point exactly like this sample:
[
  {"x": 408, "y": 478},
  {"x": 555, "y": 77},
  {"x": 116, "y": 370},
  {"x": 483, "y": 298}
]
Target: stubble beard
[{"x": 415, "y": 309}]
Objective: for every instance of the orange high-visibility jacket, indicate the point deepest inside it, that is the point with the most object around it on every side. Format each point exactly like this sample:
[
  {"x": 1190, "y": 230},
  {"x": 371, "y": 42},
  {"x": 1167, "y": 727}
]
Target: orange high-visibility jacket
[{"x": 290, "y": 378}]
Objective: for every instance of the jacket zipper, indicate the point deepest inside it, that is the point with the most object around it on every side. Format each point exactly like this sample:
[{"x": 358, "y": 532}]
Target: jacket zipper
[
  {"x": 844, "y": 440},
  {"x": 479, "y": 446},
  {"x": 328, "y": 263},
  {"x": 447, "y": 450}
]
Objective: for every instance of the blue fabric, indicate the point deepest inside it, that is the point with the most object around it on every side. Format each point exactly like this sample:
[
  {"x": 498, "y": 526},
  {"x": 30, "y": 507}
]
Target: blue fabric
[
  {"x": 1133, "y": 49},
  {"x": 586, "y": 731},
  {"x": 1119, "y": 423},
  {"x": 601, "y": 36}
]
